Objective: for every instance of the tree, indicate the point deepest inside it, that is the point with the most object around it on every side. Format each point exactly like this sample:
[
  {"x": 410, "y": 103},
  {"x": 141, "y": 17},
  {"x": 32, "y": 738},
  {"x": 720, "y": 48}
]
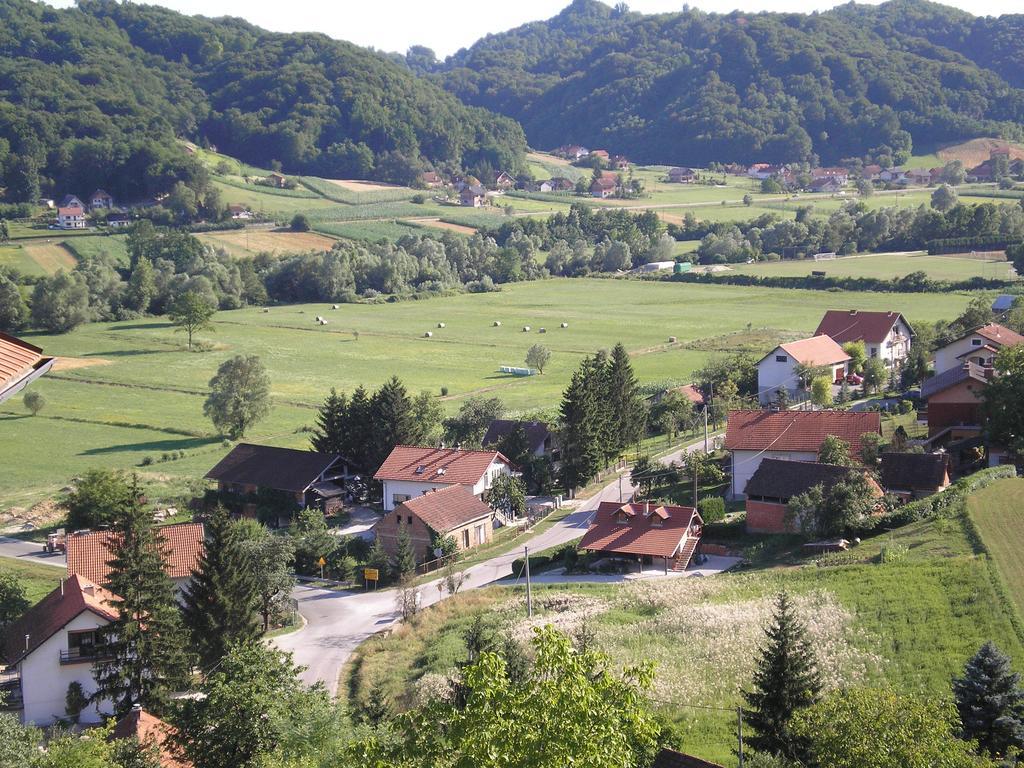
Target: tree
[
  {"x": 61, "y": 303},
  {"x": 392, "y": 420},
  {"x": 313, "y": 540},
  {"x": 144, "y": 660},
  {"x": 405, "y": 557},
  {"x": 875, "y": 375},
  {"x": 748, "y": 200},
  {"x": 990, "y": 702},
  {"x": 821, "y": 391},
  {"x": 239, "y": 395},
  {"x": 508, "y": 495},
  {"x": 671, "y": 413},
  {"x": 581, "y": 455},
  {"x": 944, "y": 198},
  {"x": 831, "y": 511},
  {"x": 270, "y": 557},
  {"x": 569, "y": 708},
  {"x": 624, "y": 403},
  {"x": 141, "y": 286},
  {"x": 1001, "y": 399},
  {"x": 252, "y": 705},
  {"x": 13, "y": 309},
  {"x": 34, "y": 401},
  {"x": 786, "y": 680},
  {"x": 858, "y": 355},
  {"x": 19, "y": 744},
  {"x": 468, "y": 426},
  {"x": 191, "y": 313},
  {"x": 300, "y": 223},
  {"x": 98, "y": 498},
  {"x": 13, "y": 602},
  {"x": 5, "y": 231},
  {"x": 870, "y": 448},
  {"x": 834, "y": 450},
  {"x": 219, "y": 608},
  {"x": 329, "y": 434},
  {"x": 844, "y": 392},
  {"x": 860, "y": 727},
  {"x": 537, "y": 357}
]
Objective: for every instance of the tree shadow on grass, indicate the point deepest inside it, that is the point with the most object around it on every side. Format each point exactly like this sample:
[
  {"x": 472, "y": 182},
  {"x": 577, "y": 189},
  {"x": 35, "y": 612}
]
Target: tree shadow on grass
[
  {"x": 180, "y": 444},
  {"x": 127, "y": 353},
  {"x": 141, "y": 326}
]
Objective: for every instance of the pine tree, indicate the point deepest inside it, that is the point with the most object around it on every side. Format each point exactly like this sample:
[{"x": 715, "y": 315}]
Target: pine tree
[
  {"x": 329, "y": 434},
  {"x": 145, "y": 643},
  {"x": 378, "y": 558},
  {"x": 405, "y": 558},
  {"x": 786, "y": 679},
  {"x": 581, "y": 457},
  {"x": 991, "y": 702},
  {"x": 220, "y": 605},
  {"x": 393, "y": 420},
  {"x": 355, "y": 444},
  {"x": 597, "y": 381},
  {"x": 626, "y": 406}
]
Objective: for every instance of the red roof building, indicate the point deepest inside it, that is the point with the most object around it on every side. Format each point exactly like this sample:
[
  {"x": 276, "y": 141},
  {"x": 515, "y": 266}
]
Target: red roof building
[
  {"x": 453, "y": 511},
  {"x": 20, "y": 364},
  {"x": 886, "y": 335},
  {"x": 410, "y": 471},
  {"x": 779, "y": 369},
  {"x": 979, "y": 346},
  {"x": 150, "y": 731},
  {"x": 182, "y": 545},
  {"x": 644, "y": 531}
]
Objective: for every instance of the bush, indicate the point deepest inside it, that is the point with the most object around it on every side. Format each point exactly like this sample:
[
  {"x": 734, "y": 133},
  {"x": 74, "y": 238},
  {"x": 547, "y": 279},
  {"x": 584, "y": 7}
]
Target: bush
[
  {"x": 300, "y": 223},
  {"x": 712, "y": 509}
]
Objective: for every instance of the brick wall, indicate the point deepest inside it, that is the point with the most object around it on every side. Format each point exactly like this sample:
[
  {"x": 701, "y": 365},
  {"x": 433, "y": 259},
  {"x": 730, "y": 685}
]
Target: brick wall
[{"x": 765, "y": 518}]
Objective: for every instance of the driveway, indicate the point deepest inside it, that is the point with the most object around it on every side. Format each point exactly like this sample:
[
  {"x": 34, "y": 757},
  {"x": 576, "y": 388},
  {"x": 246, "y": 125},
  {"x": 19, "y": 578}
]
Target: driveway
[
  {"x": 337, "y": 622},
  {"x": 30, "y": 551}
]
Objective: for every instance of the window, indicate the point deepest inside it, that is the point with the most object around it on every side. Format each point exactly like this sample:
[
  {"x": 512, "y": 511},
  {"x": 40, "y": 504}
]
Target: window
[
  {"x": 410, "y": 519},
  {"x": 398, "y": 498},
  {"x": 781, "y": 359},
  {"x": 465, "y": 539},
  {"x": 480, "y": 535},
  {"x": 874, "y": 351},
  {"x": 975, "y": 342}
]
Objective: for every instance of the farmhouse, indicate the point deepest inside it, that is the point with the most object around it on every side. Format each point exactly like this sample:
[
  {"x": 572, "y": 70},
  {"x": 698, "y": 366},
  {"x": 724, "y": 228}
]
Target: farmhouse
[
  {"x": 621, "y": 162},
  {"x": 55, "y": 644},
  {"x": 410, "y": 471},
  {"x": 70, "y": 201},
  {"x": 600, "y": 154},
  {"x": 473, "y": 196},
  {"x": 504, "y": 181},
  {"x": 682, "y": 176},
  {"x": 826, "y": 185},
  {"x": 181, "y": 545},
  {"x": 572, "y": 152},
  {"x": 278, "y": 180},
  {"x": 431, "y": 179},
  {"x": 839, "y": 174},
  {"x": 603, "y": 187},
  {"x": 118, "y": 220},
  {"x": 761, "y": 171},
  {"x": 71, "y": 217},
  {"x": 652, "y": 535},
  {"x": 562, "y": 184},
  {"x": 100, "y": 199},
  {"x": 21, "y": 363},
  {"x": 912, "y": 476},
  {"x": 152, "y": 733},
  {"x": 920, "y": 176},
  {"x": 539, "y": 439},
  {"x": 451, "y": 511},
  {"x": 753, "y": 436},
  {"x": 886, "y": 335},
  {"x": 239, "y": 212},
  {"x": 308, "y": 478},
  {"x": 779, "y": 368},
  {"x": 954, "y": 400},
  {"x": 871, "y": 172},
  {"x": 979, "y": 346},
  {"x": 776, "y": 481}
]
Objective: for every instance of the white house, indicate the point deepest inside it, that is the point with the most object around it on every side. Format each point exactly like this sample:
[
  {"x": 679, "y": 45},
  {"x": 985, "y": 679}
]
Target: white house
[
  {"x": 886, "y": 335},
  {"x": 979, "y": 346},
  {"x": 56, "y": 644},
  {"x": 410, "y": 471},
  {"x": 778, "y": 369},
  {"x": 752, "y": 436},
  {"x": 71, "y": 217}
]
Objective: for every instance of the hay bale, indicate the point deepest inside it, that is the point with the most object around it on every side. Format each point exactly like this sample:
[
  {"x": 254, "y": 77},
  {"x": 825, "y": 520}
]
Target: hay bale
[
  {"x": 440, "y": 325},
  {"x": 497, "y": 323},
  {"x": 334, "y": 306},
  {"x": 671, "y": 339},
  {"x": 428, "y": 335},
  {"x": 542, "y": 330},
  {"x": 526, "y": 329},
  {"x": 565, "y": 325}
]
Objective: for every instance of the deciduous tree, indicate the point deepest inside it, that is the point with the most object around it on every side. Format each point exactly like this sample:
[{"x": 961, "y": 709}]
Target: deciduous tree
[
  {"x": 191, "y": 313},
  {"x": 1002, "y": 398},
  {"x": 538, "y": 356},
  {"x": 239, "y": 395}
]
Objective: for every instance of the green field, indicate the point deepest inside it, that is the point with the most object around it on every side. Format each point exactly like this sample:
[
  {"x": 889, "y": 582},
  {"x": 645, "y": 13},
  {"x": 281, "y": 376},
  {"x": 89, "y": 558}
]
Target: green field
[
  {"x": 133, "y": 389},
  {"x": 998, "y": 513},
  {"x": 911, "y": 624},
  {"x": 883, "y": 266},
  {"x": 38, "y": 580}
]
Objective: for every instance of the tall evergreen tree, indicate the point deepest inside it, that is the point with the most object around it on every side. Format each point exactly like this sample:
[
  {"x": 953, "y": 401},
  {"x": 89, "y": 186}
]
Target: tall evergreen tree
[
  {"x": 626, "y": 406},
  {"x": 220, "y": 605},
  {"x": 991, "y": 702},
  {"x": 596, "y": 378},
  {"x": 581, "y": 457},
  {"x": 358, "y": 428},
  {"x": 405, "y": 557},
  {"x": 393, "y": 420},
  {"x": 329, "y": 435},
  {"x": 786, "y": 679},
  {"x": 145, "y": 643}
]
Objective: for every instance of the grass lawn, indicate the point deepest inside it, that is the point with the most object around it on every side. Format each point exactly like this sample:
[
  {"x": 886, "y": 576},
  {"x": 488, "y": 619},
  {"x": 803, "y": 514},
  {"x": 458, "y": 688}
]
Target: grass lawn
[
  {"x": 94, "y": 245},
  {"x": 998, "y": 513},
  {"x": 241, "y": 243},
  {"x": 38, "y": 580},
  {"x": 911, "y": 624},
  {"x": 883, "y": 266},
  {"x": 131, "y": 390}
]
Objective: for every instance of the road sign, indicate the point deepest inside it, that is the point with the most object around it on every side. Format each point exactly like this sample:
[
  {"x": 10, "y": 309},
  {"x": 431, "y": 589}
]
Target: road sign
[
  {"x": 321, "y": 562},
  {"x": 370, "y": 574}
]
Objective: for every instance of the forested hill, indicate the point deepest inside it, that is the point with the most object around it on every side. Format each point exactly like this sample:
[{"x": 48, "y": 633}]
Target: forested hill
[
  {"x": 94, "y": 96},
  {"x": 694, "y": 87}
]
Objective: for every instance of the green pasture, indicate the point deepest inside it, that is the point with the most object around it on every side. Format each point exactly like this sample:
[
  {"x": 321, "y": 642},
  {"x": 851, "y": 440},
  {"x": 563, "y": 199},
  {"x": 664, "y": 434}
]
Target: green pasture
[
  {"x": 998, "y": 513},
  {"x": 96, "y": 245},
  {"x": 883, "y": 266},
  {"x": 37, "y": 580}
]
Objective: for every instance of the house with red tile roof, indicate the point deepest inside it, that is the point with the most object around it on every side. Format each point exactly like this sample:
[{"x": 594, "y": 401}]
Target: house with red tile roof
[
  {"x": 71, "y": 217},
  {"x": 646, "y": 533},
  {"x": 453, "y": 511},
  {"x": 55, "y": 644},
  {"x": 779, "y": 369},
  {"x": 21, "y": 363},
  {"x": 752, "y": 436},
  {"x": 954, "y": 400},
  {"x": 886, "y": 335},
  {"x": 670, "y": 758},
  {"x": 152, "y": 733},
  {"x": 979, "y": 347},
  {"x": 410, "y": 471},
  {"x": 603, "y": 187},
  {"x": 181, "y": 544}
]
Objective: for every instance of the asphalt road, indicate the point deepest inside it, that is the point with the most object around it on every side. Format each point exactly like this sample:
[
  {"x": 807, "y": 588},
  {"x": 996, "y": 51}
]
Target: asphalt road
[
  {"x": 30, "y": 551},
  {"x": 337, "y": 622}
]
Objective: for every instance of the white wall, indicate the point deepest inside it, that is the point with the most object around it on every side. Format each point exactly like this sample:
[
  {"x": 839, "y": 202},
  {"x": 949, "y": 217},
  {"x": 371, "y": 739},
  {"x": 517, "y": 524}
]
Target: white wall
[
  {"x": 418, "y": 488},
  {"x": 772, "y": 374},
  {"x": 745, "y": 464},
  {"x": 45, "y": 681},
  {"x": 946, "y": 357}
]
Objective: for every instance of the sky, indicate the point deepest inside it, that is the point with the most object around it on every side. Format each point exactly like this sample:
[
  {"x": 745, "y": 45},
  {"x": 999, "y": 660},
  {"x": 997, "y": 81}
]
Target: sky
[{"x": 448, "y": 25}]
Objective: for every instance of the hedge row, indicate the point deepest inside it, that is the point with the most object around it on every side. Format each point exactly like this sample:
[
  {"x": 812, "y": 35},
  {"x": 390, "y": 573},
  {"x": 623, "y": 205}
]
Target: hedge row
[
  {"x": 963, "y": 244},
  {"x": 912, "y": 283}
]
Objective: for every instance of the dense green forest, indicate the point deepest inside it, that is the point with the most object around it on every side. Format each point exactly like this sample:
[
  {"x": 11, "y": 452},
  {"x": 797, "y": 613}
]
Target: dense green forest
[
  {"x": 693, "y": 87},
  {"x": 94, "y": 96}
]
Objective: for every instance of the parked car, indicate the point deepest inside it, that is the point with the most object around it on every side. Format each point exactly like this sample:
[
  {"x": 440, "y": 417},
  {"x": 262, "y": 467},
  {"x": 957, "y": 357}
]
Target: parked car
[{"x": 853, "y": 378}]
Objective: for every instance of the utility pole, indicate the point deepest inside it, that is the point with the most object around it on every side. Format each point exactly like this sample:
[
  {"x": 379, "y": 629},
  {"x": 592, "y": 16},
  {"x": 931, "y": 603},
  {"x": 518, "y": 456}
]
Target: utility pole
[
  {"x": 711, "y": 398},
  {"x": 694, "y": 484},
  {"x": 739, "y": 732},
  {"x": 529, "y": 592},
  {"x": 705, "y": 430},
  {"x": 620, "y": 489}
]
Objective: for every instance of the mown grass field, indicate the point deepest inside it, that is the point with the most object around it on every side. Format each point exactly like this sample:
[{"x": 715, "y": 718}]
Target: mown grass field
[
  {"x": 882, "y": 266},
  {"x": 38, "y": 580},
  {"x": 998, "y": 513},
  {"x": 911, "y": 624},
  {"x": 133, "y": 389},
  {"x": 241, "y": 243},
  {"x": 37, "y": 257}
]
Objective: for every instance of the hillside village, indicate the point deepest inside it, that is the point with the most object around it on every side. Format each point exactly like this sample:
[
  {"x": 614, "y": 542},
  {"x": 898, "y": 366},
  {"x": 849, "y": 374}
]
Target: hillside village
[{"x": 375, "y": 409}]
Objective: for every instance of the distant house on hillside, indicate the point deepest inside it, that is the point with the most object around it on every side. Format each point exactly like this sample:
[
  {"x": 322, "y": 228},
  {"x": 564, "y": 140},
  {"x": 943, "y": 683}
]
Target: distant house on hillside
[
  {"x": 278, "y": 180},
  {"x": 21, "y": 363},
  {"x": 776, "y": 481},
  {"x": 954, "y": 400},
  {"x": 911, "y": 476},
  {"x": 921, "y": 177},
  {"x": 779, "y": 369},
  {"x": 431, "y": 179},
  {"x": 70, "y": 201},
  {"x": 539, "y": 438},
  {"x": 562, "y": 184},
  {"x": 600, "y": 154},
  {"x": 504, "y": 181},
  {"x": 239, "y": 212},
  {"x": 410, "y": 471},
  {"x": 871, "y": 172},
  {"x": 839, "y": 174},
  {"x": 119, "y": 220},
  {"x": 886, "y": 335},
  {"x": 620, "y": 162},
  {"x": 753, "y": 436},
  {"x": 682, "y": 176},
  {"x": 71, "y": 217},
  {"x": 572, "y": 152},
  {"x": 100, "y": 199},
  {"x": 649, "y": 534},
  {"x": 473, "y": 196},
  {"x": 452, "y": 511},
  {"x": 826, "y": 185},
  {"x": 893, "y": 175},
  {"x": 603, "y": 187},
  {"x": 979, "y": 347}
]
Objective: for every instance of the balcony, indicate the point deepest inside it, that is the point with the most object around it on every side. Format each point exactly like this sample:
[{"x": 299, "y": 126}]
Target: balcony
[
  {"x": 10, "y": 691},
  {"x": 84, "y": 655}
]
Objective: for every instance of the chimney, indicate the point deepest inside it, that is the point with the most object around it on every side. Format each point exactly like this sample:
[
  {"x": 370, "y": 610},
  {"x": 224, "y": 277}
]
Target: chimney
[
  {"x": 88, "y": 589},
  {"x": 62, "y": 587}
]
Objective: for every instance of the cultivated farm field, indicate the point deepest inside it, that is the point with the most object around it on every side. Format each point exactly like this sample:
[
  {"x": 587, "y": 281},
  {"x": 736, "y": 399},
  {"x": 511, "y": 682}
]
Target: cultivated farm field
[
  {"x": 241, "y": 243},
  {"x": 142, "y": 394}
]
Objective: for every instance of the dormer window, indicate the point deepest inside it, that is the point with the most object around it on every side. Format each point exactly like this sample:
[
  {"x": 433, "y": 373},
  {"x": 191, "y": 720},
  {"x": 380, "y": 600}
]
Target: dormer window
[
  {"x": 975, "y": 342},
  {"x": 420, "y": 469},
  {"x": 621, "y": 518},
  {"x": 656, "y": 522}
]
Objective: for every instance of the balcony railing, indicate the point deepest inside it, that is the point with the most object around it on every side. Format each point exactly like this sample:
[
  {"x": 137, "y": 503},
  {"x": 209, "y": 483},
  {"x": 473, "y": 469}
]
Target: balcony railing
[
  {"x": 84, "y": 655},
  {"x": 10, "y": 691}
]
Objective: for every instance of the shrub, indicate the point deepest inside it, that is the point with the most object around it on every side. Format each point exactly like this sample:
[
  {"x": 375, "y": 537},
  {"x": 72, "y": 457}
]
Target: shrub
[
  {"x": 444, "y": 391},
  {"x": 712, "y": 509}
]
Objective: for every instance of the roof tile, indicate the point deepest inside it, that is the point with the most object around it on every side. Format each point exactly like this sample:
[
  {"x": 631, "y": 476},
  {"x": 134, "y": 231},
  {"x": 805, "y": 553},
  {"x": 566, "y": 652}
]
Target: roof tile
[
  {"x": 639, "y": 536},
  {"x": 447, "y": 508},
  {"x": 817, "y": 350},
  {"x": 182, "y": 545},
  {"x": 797, "y": 430},
  {"x": 450, "y": 466},
  {"x": 857, "y": 325},
  {"x": 265, "y": 466}
]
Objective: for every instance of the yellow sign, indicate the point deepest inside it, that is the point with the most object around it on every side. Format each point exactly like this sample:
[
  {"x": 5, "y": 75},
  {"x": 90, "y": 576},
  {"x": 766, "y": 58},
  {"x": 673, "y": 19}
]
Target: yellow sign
[
  {"x": 370, "y": 574},
  {"x": 321, "y": 562}
]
